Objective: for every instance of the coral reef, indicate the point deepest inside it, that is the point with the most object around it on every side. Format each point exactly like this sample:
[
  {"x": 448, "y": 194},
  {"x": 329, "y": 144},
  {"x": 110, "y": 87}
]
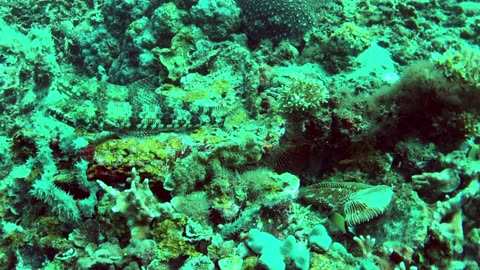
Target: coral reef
[
  {"x": 459, "y": 64},
  {"x": 357, "y": 202}
]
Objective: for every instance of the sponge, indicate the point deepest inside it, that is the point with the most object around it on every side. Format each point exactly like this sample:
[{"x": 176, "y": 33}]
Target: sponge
[
  {"x": 319, "y": 237},
  {"x": 273, "y": 251}
]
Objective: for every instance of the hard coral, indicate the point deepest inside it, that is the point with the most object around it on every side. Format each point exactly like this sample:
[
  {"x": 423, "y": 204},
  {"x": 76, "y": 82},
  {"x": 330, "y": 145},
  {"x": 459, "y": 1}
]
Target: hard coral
[
  {"x": 357, "y": 201},
  {"x": 304, "y": 95},
  {"x": 137, "y": 204}
]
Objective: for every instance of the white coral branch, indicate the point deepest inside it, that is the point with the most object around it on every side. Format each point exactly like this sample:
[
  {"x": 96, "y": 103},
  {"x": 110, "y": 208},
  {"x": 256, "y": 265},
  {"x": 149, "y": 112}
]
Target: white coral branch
[{"x": 366, "y": 244}]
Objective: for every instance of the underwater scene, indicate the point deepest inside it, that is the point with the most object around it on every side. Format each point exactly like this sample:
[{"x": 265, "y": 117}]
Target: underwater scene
[{"x": 239, "y": 134}]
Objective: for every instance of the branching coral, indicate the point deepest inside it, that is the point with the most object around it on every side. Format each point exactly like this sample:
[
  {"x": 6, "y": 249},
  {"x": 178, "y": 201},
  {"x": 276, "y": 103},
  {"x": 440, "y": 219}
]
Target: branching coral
[
  {"x": 365, "y": 243},
  {"x": 138, "y": 204}
]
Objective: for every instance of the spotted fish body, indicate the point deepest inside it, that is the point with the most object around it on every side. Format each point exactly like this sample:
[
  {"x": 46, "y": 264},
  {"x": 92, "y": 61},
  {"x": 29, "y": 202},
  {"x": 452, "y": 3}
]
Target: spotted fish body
[{"x": 95, "y": 106}]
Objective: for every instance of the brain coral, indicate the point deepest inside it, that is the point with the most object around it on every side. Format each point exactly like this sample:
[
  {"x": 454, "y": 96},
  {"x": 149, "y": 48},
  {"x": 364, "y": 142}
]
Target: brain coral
[{"x": 277, "y": 19}]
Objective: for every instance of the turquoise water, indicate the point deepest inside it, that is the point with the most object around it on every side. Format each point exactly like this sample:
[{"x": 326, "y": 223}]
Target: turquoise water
[{"x": 239, "y": 134}]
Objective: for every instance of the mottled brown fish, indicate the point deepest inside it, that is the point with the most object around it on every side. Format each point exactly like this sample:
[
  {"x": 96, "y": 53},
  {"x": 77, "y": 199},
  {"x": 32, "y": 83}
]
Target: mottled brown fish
[{"x": 136, "y": 109}]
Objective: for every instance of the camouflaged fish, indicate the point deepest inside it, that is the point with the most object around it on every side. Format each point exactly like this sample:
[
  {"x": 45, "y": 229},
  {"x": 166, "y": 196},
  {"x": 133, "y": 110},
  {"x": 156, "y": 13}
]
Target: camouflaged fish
[{"x": 136, "y": 109}]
